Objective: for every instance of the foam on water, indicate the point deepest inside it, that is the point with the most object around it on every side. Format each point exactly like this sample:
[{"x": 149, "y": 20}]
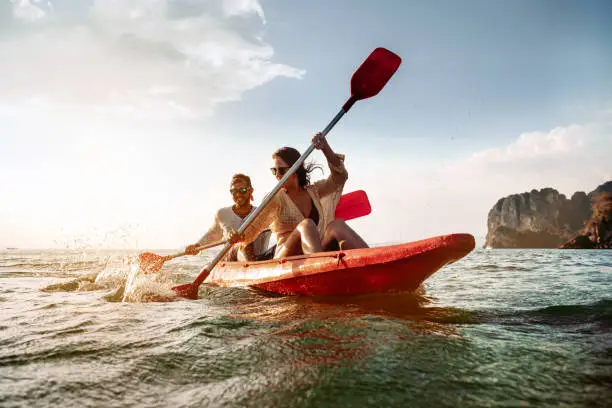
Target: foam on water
[
  {"x": 115, "y": 274},
  {"x": 124, "y": 277},
  {"x": 141, "y": 287}
]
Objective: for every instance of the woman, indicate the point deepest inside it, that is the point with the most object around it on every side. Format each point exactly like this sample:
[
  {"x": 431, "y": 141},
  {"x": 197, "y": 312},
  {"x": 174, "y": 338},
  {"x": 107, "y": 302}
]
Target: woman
[
  {"x": 229, "y": 219},
  {"x": 301, "y": 215}
]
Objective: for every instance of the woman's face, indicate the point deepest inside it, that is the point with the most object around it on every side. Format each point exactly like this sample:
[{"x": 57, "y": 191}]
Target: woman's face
[
  {"x": 241, "y": 192},
  {"x": 279, "y": 168}
]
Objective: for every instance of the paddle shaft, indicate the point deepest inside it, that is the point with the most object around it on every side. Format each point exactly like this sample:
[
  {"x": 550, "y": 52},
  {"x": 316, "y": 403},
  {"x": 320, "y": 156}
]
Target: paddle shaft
[
  {"x": 199, "y": 248},
  {"x": 206, "y": 270}
]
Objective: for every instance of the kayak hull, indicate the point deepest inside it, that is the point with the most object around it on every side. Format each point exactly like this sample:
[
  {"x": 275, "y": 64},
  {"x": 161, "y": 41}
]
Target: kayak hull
[{"x": 387, "y": 269}]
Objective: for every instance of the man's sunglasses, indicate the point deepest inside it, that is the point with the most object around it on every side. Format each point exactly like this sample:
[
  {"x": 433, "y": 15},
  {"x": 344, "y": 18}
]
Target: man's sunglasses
[
  {"x": 239, "y": 190},
  {"x": 279, "y": 170}
]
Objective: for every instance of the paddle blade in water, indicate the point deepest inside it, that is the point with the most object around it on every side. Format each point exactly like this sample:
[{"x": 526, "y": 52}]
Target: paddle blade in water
[
  {"x": 188, "y": 290},
  {"x": 150, "y": 262},
  {"x": 372, "y": 75},
  {"x": 353, "y": 205}
]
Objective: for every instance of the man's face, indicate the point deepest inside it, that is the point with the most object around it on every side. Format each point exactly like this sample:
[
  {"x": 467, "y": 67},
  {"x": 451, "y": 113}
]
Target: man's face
[{"x": 241, "y": 193}]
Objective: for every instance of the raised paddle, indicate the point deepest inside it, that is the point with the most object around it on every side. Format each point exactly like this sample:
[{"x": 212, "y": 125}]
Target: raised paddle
[
  {"x": 351, "y": 205},
  {"x": 366, "y": 82}
]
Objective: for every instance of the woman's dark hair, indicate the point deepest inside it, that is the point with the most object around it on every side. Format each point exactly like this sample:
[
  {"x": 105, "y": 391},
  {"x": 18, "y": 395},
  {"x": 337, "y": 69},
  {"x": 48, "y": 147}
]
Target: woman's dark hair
[{"x": 290, "y": 156}]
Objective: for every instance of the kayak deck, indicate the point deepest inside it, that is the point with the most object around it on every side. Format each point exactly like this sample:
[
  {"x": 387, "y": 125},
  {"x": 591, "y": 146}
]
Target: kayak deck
[{"x": 395, "y": 268}]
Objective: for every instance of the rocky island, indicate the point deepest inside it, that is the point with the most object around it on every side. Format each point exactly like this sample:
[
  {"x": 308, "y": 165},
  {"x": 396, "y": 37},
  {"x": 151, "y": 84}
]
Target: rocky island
[{"x": 547, "y": 219}]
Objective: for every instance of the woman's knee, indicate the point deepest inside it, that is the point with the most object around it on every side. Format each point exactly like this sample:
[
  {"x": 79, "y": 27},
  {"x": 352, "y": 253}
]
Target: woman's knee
[
  {"x": 336, "y": 225},
  {"x": 306, "y": 225}
]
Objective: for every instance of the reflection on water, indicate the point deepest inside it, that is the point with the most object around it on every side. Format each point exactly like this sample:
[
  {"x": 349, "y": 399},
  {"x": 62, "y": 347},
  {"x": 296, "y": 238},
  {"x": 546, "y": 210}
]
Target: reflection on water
[{"x": 335, "y": 331}]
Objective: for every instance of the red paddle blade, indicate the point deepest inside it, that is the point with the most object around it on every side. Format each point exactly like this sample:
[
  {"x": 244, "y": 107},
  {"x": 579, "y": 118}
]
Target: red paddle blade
[
  {"x": 353, "y": 205},
  {"x": 374, "y": 73},
  {"x": 150, "y": 262},
  {"x": 188, "y": 290}
]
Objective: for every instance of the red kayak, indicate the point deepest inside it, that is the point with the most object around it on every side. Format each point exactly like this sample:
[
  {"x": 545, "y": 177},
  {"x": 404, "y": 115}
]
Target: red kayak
[{"x": 385, "y": 269}]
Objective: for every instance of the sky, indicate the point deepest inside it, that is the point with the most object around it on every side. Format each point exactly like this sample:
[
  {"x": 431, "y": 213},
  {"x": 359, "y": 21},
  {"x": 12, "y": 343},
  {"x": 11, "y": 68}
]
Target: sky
[{"x": 122, "y": 121}]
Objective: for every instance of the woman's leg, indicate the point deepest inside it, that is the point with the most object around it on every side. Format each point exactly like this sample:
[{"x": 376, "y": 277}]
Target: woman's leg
[
  {"x": 338, "y": 230},
  {"x": 304, "y": 239}
]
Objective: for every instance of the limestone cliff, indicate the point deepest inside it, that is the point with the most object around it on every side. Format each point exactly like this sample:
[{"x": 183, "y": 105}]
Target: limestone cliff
[
  {"x": 598, "y": 231},
  {"x": 539, "y": 219}
]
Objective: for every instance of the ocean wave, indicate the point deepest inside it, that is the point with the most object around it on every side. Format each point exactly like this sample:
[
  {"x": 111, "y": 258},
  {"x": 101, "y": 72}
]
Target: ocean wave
[
  {"x": 497, "y": 267},
  {"x": 593, "y": 317},
  {"x": 600, "y": 311}
]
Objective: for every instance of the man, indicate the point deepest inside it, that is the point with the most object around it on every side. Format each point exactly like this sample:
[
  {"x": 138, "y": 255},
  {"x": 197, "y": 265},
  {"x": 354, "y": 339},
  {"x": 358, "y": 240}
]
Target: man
[{"x": 228, "y": 220}]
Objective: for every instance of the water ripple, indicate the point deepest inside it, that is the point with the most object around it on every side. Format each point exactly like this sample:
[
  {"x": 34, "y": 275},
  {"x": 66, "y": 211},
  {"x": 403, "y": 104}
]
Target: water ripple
[{"x": 499, "y": 328}]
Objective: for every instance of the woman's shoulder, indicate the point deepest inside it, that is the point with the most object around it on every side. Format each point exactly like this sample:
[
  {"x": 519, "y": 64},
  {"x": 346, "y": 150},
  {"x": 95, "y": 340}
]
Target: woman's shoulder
[{"x": 280, "y": 196}]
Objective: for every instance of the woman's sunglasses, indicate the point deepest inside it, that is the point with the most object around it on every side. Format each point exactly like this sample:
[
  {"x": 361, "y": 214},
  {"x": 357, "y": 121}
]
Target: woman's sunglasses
[
  {"x": 279, "y": 170},
  {"x": 239, "y": 190}
]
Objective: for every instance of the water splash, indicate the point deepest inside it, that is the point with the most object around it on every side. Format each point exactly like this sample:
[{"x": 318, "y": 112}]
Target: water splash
[
  {"x": 133, "y": 285},
  {"x": 141, "y": 287},
  {"x": 115, "y": 273},
  {"x": 126, "y": 280}
]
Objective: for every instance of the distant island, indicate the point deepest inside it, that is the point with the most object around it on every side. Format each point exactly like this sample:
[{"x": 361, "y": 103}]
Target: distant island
[{"x": 547, "y": 219}]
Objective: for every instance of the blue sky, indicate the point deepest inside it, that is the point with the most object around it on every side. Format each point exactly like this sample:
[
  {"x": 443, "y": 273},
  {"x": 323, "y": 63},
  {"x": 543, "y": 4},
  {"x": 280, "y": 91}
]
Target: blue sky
[
  {"x": 122, "y": 122},
  {"x": 490, "y": 69}
]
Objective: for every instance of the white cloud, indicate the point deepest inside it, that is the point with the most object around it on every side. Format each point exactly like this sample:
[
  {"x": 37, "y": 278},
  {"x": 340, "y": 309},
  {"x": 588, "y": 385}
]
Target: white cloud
[
  {"x": 558, "y": 142},
  {"x": 240, "y": 7},
  {"x": 567, "y": 158},
  {"x": 77, "y": 76},
  {"x": 153, "y": 56},
  {"x": 415, "y": 201},
  {"x": 27, "y": 10}
]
